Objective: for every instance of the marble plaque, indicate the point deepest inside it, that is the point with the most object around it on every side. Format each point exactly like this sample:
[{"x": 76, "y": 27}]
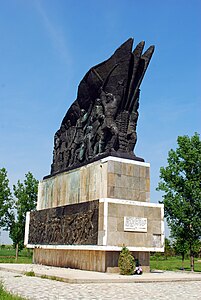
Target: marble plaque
[
  {"x": 135, "y": 224},
  {"x": 156, "y": 240}
]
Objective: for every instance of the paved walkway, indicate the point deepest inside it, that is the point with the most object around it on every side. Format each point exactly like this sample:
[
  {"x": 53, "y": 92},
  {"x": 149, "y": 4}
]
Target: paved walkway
[{"x": 94, "y": 285}]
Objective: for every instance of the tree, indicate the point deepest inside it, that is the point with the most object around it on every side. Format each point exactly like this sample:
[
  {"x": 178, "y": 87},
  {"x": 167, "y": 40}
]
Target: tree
[
  {"x": 169, "y": 251},
  {"x": 26, "y": 198},
  {"x": 126, "y": 262},
  {"x": 181, "y": 245},
  {"x": 6, "y": 200},
  {"x": 181, "y": 184}
]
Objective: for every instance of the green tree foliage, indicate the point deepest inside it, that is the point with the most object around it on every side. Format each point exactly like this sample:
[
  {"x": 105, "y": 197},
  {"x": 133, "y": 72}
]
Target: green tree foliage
[
  {"x": 169, "y": 250},
  {"x": 126, "y": 262},
  {"x": 181, "y": 184},
  {"x": 13, "y": 210},
  {"x": 25, "y": 200},
  {"x": 6, "y": 200},
  {"x": 181, "y": 247}
]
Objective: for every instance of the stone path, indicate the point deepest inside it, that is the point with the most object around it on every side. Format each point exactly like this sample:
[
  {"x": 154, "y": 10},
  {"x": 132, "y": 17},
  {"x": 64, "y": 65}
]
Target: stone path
[
  {"x": 80, "y": 276},
  {"x": 36, "y": 288}
]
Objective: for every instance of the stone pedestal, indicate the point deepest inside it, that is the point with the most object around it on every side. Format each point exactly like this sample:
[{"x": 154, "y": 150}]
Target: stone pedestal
[
  {"x": 86, "y": 215},
  {"x": 110, "y": 177},
  {"x": 91, "y": 260}
]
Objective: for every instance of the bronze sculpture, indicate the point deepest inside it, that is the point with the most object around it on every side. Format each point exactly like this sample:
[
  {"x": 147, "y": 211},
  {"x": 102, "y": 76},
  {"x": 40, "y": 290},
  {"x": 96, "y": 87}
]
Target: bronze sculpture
[{"x": 102, "y": 120}]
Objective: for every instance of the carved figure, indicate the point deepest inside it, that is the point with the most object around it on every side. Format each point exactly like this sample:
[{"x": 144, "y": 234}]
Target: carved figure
[
  {"x": 58, "y": 226},
  {"x": 103, "y": 119},
  {"x": 109, "y": 127}
]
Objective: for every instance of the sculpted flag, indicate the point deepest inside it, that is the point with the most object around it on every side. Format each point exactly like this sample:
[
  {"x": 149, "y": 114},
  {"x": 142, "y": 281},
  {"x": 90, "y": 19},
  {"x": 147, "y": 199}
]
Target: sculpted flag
[{"x": 102, "y": 120}]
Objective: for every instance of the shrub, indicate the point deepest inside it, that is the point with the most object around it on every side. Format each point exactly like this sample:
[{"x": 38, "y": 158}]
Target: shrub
[
  {"x": 126, "y": 262},
  {"x": 30, "y": 273}
]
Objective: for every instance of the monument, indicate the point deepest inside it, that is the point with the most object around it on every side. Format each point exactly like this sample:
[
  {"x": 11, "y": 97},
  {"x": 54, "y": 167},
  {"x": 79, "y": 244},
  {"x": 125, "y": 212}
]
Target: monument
[{"x": 97, "y": 196}]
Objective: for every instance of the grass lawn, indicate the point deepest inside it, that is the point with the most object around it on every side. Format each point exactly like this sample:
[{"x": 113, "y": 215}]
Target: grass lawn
[
  {"x": 173, "y": 263},
  {"x": 7, "y": 255},
  {"x": 7, "y": 296}
]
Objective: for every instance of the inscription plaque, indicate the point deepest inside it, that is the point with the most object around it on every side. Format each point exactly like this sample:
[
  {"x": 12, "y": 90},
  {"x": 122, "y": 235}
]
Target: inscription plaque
[
  {"x": 156, "y": 240},
  {"x": 135, "y": 224}
]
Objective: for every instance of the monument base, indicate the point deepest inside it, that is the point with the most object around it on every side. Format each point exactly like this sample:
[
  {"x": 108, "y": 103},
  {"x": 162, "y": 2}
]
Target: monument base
[
  {"x": 85, "y": 216},
  {"x": 91, "y": 260}
]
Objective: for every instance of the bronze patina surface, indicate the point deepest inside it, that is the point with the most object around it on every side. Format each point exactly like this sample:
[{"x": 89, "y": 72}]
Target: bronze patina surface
[{"x": 102, "y": 120}]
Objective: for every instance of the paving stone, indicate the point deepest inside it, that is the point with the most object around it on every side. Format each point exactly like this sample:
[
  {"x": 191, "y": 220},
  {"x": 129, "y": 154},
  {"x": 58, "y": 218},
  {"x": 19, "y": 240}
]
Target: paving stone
[{"x": 36, "y": 288}]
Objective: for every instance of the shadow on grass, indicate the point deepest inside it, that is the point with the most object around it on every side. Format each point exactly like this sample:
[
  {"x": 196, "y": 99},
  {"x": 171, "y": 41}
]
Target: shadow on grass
[{"x": 173, "y": 264}]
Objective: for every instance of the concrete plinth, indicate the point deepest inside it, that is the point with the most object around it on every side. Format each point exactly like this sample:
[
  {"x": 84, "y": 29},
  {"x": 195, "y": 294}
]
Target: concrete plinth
[
  {"x": 85, "y": 216},
  {"x": 92, "y": 260},
  {"x": 110, "y": 177}
]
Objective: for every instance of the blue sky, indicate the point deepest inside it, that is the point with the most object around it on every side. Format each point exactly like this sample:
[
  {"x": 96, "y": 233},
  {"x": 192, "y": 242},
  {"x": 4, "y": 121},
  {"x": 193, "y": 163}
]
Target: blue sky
[{"x": 46, "y": 48}]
